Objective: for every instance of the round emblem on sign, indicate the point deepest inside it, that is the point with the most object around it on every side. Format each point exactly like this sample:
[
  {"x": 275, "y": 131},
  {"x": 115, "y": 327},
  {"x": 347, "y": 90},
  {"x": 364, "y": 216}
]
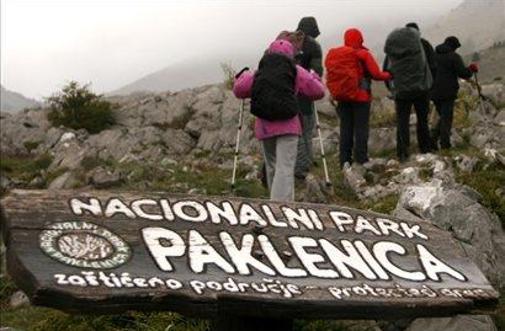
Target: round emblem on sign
[{"x": 84, "y": 245}]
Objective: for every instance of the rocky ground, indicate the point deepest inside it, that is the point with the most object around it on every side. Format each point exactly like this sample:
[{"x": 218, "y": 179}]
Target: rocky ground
[{"x": 183, "y": 142}]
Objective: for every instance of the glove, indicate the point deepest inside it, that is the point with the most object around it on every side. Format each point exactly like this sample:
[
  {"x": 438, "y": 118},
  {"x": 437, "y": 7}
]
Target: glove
[{"x": 474, "y": 67}]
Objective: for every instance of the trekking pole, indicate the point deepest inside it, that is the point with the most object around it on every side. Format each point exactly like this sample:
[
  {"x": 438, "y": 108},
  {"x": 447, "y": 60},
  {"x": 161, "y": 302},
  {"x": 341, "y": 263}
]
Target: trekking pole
[
  {"x": 481, "y": 96},
  {"x": 325, "y": 166},
  {"x": 237, "y": 144}
]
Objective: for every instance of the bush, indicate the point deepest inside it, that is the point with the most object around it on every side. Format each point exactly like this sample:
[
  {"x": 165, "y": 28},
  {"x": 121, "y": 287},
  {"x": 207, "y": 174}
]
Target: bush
[
  {"x": 77, "y": 107},
  {"x": 229, "y": 75}
]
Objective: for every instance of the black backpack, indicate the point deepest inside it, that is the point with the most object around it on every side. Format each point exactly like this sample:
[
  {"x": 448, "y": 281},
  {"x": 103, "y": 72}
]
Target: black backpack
[{"x": 273, "y": 92}]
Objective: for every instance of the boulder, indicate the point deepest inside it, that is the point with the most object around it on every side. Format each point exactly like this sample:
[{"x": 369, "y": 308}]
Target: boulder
[
  {"x": 495, "y": 91},
  {"x": 18, "y": 299},
  {"x": 457, "y": 323},
  {"x": 500, "y": 118},
  {"x": 376, "y": 164},
  {"x": 68, "y": 155},
  {"x": 466, "y": 163},
  {"x": 64, "y": 181},
  {"x": 456, "y": 209},
  {"x": 5, "y": 182},
  {"x": 67, "y": 136},
  {"x": 314, "y": 190},
  {"x": 381, "y": 139},
  {"x": 28, "y": 126},
  {"x": 354, "y": 177},
  {"x": 409, "y": 175},
  {"x": 102, "y": 178}
]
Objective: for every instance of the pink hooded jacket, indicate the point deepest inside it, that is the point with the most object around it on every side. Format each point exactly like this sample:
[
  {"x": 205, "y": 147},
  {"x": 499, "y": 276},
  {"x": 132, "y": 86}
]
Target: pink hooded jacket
[{"x": 307, "y": 84}]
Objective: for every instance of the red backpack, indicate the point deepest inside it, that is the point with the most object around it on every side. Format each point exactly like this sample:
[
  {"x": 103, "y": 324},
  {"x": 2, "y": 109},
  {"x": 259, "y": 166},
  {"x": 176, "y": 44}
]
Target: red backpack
[{"x": 343, "y": 73}]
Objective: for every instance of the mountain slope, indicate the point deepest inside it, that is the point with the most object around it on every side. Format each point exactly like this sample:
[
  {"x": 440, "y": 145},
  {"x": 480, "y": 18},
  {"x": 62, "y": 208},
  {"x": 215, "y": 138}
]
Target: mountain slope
[
  {"x": 477, "y": 23},
  {"x": 465, "y": 21},
  {"x": 492, "y": 63},
  {"x": 13, "y": 101},
  {"x": 187, "y": 75}
]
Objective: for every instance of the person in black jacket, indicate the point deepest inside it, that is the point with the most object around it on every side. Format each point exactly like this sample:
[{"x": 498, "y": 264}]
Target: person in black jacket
[
  {"x": 450, "y": 67},
  {"x": 310, "y": 58}
]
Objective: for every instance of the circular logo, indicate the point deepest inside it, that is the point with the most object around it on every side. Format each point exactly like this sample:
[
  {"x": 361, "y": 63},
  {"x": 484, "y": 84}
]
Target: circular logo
[{"x": 84, "y": 245}]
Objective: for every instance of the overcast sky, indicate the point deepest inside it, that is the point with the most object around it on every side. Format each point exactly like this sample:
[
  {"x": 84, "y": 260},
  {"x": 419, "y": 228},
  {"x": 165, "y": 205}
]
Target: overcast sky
[{"x": 110, "y": 43}]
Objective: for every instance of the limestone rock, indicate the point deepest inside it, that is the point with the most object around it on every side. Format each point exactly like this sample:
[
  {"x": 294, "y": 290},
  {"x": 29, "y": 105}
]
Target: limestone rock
[
  {"x": 409, "y": 175},
  {"x": 457, "y": 323},
  {"x": 67, "y": 136},
  {"x": 103, "y": 178},
  {"x": 381, "y": 139},
  {"x": 495, "y": 91},
  {"x": 466, "y": 163},
  {"x": 314, "y": 192},
  {"x": 376, "y": 164},
  {"x": 64, "y": 181},
  {"x": 354, "y": 178},
  {"x": 5, "y": 182},
  {"x": 457, "y": 210},
  {"x": 18, "y": 299},
  {"x": 500, "y": 118}
]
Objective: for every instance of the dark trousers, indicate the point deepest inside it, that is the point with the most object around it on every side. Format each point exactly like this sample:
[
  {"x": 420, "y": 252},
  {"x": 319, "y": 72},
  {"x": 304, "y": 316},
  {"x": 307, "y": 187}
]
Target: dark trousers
[
  {"x": 442, "y": 131},
  {"x": 403, "y": 108},
  {"x": 354, "y": 118}
]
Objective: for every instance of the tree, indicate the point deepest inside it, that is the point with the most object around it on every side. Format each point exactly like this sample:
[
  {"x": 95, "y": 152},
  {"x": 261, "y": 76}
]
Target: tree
[{"x": 77, "y": 107}]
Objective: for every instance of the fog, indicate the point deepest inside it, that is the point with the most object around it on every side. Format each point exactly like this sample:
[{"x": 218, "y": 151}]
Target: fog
[{"x": 111, "y": 42}]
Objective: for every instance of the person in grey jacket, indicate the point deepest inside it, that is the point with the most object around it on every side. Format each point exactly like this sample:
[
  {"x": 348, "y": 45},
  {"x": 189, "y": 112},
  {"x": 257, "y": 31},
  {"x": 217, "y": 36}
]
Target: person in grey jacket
[{"x": 310, "y": 58}]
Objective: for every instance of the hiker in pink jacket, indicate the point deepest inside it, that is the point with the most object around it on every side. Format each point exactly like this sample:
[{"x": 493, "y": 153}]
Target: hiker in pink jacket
[{"x": 273, "y": 89}]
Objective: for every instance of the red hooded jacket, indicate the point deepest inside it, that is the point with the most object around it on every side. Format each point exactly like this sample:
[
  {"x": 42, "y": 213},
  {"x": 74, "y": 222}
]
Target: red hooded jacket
[{"x": 369, "y": 68}]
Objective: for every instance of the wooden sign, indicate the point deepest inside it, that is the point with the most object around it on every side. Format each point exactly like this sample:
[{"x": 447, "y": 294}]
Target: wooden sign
[{"x": 111, "y": 251}]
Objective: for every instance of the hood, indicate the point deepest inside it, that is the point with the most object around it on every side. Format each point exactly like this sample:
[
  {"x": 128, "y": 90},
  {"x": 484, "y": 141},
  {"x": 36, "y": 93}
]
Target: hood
[
  {"x": 354, "y": 38},
  {"x": 309, "y": 26},
  {"x": 283, "y": 47},
  {"x": 443, "y": 49}
]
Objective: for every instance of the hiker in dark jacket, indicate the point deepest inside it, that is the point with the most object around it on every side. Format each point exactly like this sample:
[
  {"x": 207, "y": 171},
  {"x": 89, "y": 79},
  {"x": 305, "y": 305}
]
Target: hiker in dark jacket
[
  {"x": 310, "y": 58},
  {"x": 450, "y": 67},
  {"x": 411, "y": 84}
]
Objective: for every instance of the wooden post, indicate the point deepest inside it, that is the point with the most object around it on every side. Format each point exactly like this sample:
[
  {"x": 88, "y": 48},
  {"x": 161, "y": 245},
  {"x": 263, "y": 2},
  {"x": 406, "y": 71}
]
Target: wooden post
[{"x": 248, "y": 264}]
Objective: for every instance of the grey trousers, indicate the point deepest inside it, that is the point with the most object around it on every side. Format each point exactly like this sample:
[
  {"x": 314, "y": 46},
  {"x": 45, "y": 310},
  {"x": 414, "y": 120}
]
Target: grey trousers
[
  {"x": 304, "y": 156},
  {"x": 280, "y": 158}
]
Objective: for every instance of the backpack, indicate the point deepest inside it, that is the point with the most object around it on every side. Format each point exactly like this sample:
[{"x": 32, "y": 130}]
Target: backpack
[
  {"x": 343, "y": 73},
  {"x": 296, "y": 38},
  {"x": 273, "y": 92},
  {"x": 407, "y": 62}
]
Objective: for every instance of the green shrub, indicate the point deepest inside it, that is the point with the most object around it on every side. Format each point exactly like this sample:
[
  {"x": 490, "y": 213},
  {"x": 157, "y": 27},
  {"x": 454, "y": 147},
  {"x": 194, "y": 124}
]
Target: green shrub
[
  {"x": 31, "y": 145},
  {"x": 486, "y": 181},
  {"x": 77, "y": 107},
  {"x": 229, "y": 75}
]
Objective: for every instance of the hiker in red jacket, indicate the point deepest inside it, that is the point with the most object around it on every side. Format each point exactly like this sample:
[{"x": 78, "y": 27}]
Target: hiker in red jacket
[{"x": 350, "y": 69}]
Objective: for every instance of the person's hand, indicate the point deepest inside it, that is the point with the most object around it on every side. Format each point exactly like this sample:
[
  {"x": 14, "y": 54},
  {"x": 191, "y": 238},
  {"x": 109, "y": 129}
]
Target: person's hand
[
  {"x": 474, "y": 67},
  {"x": 389, "y": 76}
]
